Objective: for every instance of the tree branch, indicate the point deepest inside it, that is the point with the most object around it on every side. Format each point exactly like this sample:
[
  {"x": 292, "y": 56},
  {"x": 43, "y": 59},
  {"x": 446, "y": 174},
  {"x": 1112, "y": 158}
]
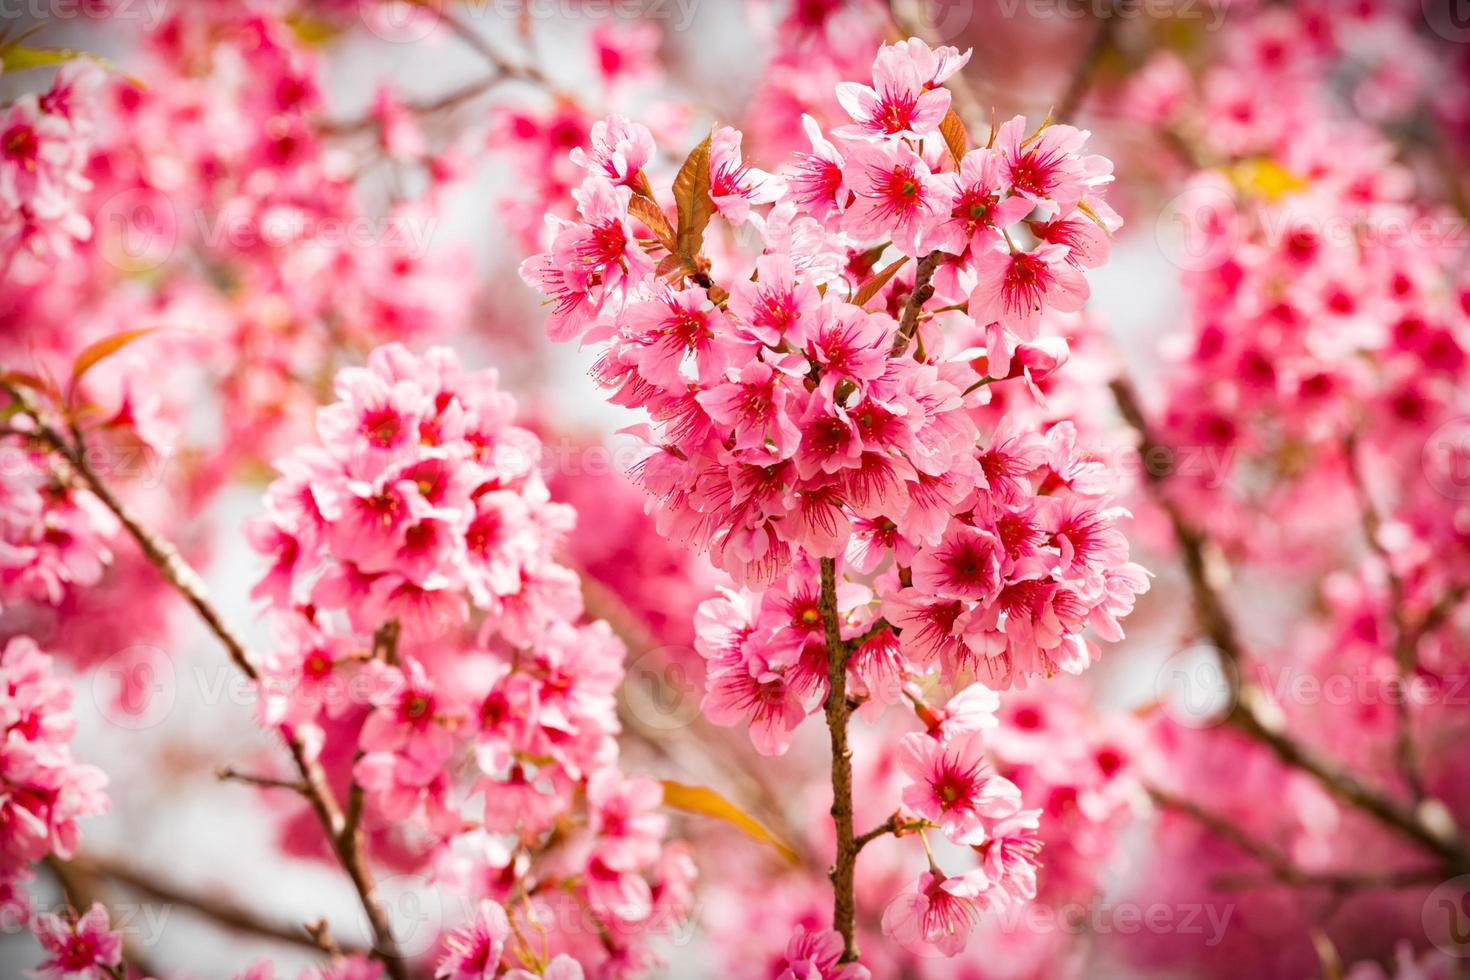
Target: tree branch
[
  {"x": 178, "y": 573},
  {"x": 1245, "y": 714},
  {"x": 837, "y": 711}
]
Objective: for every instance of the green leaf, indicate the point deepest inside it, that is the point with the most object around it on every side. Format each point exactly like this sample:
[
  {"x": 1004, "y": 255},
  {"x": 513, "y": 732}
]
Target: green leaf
[
  {"x": 691, "y": 194},
  {"x": 706, "y": 802}
]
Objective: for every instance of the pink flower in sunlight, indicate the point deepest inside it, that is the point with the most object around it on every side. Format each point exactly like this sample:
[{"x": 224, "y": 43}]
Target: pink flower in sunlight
[
  {"x": 735, "y": 185},
  {"x": 953, "y": 786},
  {"x": 896, "y": 195},
  {"x": 906, "y": 97}
]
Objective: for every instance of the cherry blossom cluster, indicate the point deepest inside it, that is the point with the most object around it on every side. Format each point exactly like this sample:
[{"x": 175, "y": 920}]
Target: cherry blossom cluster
[
  {"x": 412, "y": 573},
  {"x": 53, "y": 537},
  {"x": 786, "y": 423},
  {"x": 45, "y": 141},
  {"x": 44, "y": 790},
  {"x": 793, "y": 424}
]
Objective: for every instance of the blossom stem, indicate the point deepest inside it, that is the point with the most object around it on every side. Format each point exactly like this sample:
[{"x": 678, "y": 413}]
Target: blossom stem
[{"x": 837, "y": 711}]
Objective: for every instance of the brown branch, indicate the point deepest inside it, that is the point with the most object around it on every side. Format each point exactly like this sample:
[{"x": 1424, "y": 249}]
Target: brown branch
[
  {"x": 178, "y": 573},
  {"x": 229, "y": 774},
  {"x": 837, "y": 711},
  {"x": 1282, "y": 870},
  {"x": 231, "y": 916},
  {"x": 1405, "y": 642},
  {"x": 1081, "y": 79},
  {"x": 1245, "y": 715},
  {"x": 923, "y": 289}
]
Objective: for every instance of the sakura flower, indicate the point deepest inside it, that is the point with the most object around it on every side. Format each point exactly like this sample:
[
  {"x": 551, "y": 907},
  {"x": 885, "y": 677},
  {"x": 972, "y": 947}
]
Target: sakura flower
[
  {"x": 895, "y": 195},
  {"x": 1014, "y": 287},
  {"x": 817, "y": 956},
  {"x": 953, "y": 786},
  {"x": 474, "y": 951},
  {"x": 617, "y": 149},
  {"x": 939, "y": 913},
  {"x": 906, "y": 98},
  {"x": 966, "y": 564},
  {"x": 735, "y": 185},
  {"x": 81, "y": 947}
]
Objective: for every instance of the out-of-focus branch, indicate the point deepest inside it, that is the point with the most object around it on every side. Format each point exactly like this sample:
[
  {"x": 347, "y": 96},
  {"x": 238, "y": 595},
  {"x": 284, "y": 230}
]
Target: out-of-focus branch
[
  {"x": 225, "y": 913},
  {"x": 177, "y": 572},
  {"x": 1405, "y": 643},
  {"x": 1282, "y": 870},
  {"x": 1427, "y": 826}
]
